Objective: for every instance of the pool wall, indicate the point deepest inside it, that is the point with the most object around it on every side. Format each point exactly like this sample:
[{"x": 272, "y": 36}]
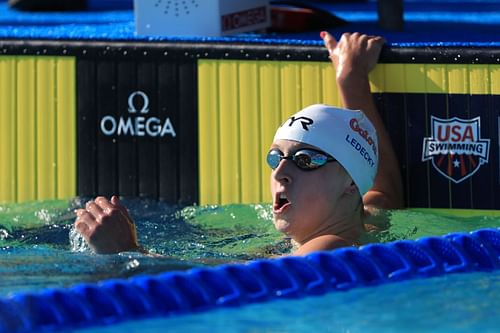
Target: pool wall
[
  {"x": 37, "y": 127},
  {"x": 186, "y": 122},
  {"x": 88, "y": 107},
  {"x": 200, "y": 289}
]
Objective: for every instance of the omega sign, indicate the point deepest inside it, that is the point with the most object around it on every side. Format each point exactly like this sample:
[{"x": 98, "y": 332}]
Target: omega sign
[{"x": 137, "y": 123}]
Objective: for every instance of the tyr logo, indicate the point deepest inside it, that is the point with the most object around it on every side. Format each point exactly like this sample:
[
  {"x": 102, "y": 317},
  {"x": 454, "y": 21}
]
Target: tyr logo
[{"x": 304, "y": 121}]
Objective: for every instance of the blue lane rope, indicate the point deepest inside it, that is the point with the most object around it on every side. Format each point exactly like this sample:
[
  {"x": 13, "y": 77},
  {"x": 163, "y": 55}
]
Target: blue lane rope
[{"x": 172, "y": 293}]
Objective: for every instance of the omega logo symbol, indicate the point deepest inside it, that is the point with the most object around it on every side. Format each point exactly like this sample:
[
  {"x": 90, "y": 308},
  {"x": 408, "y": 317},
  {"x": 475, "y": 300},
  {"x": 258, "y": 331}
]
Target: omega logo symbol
[
  {"x": 145, "y": 105},
  {"x": 137, "y": 124}
]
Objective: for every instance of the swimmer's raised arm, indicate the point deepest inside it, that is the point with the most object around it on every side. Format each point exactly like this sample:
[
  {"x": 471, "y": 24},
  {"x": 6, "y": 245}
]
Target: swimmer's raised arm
[
  {"x": 353, "y": 57},
  {"x": 107, "y": 226}
]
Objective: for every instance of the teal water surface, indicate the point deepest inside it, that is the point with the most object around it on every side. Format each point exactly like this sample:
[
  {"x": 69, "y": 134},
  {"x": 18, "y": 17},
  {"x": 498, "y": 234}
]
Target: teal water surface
[{"x": 39, "y": 248}]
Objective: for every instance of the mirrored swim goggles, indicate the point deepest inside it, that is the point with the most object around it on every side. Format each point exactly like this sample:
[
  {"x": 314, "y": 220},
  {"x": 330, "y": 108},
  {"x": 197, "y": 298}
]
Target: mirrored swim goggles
[{"x": 304, "y": 159}]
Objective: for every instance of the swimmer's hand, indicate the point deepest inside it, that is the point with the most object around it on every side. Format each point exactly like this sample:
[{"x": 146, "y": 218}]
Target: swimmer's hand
[
  {"x": 107, "y": 226},
  {"x": 354, "y": 55}
]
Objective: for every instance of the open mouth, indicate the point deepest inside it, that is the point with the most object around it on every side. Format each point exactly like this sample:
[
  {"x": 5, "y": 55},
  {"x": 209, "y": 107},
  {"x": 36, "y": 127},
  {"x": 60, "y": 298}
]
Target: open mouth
[{"x": 280, "y": 202}]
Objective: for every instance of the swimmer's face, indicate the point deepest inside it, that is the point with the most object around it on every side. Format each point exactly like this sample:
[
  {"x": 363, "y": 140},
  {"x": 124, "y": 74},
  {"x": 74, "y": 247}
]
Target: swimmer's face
[{"x": 305, "y": 202}]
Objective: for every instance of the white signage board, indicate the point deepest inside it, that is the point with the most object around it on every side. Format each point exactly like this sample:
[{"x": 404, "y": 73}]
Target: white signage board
[{"x": 200, "y": 17}]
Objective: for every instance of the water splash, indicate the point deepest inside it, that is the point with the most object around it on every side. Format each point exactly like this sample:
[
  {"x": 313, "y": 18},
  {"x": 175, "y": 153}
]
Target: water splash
[
  {"x": 3, "y": 234},
  {"x": 77, "y": 242}
]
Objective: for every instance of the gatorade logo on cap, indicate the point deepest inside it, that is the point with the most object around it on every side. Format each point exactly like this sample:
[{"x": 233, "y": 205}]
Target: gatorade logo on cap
[
  {"x": 347, "y": 135},
  {"x": 364, "y": 133}
]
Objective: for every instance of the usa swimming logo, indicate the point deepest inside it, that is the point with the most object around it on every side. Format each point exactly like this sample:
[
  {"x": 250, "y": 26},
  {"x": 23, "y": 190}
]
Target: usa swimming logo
[{"x": 455, "y": 147}]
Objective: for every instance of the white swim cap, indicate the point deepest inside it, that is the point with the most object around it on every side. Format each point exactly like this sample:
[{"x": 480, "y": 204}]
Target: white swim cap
[{"x": 347, "y": 135}]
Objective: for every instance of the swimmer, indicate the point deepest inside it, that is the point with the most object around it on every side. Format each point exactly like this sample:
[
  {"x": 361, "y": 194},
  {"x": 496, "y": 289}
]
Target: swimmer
[{"x": 333, "y": 169}]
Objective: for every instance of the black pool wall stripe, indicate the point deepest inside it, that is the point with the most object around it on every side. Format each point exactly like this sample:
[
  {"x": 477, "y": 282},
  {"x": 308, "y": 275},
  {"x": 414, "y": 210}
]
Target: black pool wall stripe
[{"x": 137, "y": 164}]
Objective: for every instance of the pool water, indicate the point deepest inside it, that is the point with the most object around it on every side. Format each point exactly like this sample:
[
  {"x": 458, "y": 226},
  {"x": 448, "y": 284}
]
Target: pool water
[
  {"x": 39, "y": 248},
  {"x": 466, "y": 302}
]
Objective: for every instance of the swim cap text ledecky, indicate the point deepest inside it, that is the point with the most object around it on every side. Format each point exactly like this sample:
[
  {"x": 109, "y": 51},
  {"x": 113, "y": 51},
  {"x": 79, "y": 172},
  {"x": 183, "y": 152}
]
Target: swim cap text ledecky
[{"x": 347, "y": 135}]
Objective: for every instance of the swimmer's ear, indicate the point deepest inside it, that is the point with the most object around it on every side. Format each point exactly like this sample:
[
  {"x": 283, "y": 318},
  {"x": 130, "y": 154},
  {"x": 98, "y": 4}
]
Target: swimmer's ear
[{"x": 351, "y": 189}]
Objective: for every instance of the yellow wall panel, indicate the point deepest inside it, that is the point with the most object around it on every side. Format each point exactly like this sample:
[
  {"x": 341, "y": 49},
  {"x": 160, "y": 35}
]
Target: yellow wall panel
[
  {"x": 250, "y": 145},
  {"x": 26, "y": 129},
  {"x": 229, "y": 132},
  {"x": 208, "y": 132},
  {"x": 458, "y": 79},
  {"x": 377, "y": 79},
  {"x": 311, "y": 84},
  {"x": 329, "y": 85},
  {"x": 494, "y": 72},
  {"x": 291, "y": 87},
  {"x": 437, "y": 79},
  {"x": 415, "y": 77},
  {"x": 394, "y": 77},
  {"x": 38, "y": 128},
  {"x": 66, "y": 127},
  {"x": 479, "y": 79},
  {"x": 8, "y": 159},
  {"x": 46, "y": 138}
]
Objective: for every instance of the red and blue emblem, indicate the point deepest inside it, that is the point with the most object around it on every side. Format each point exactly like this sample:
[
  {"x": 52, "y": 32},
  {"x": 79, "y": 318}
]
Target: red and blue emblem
[{"x": 455, "y": 147}]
